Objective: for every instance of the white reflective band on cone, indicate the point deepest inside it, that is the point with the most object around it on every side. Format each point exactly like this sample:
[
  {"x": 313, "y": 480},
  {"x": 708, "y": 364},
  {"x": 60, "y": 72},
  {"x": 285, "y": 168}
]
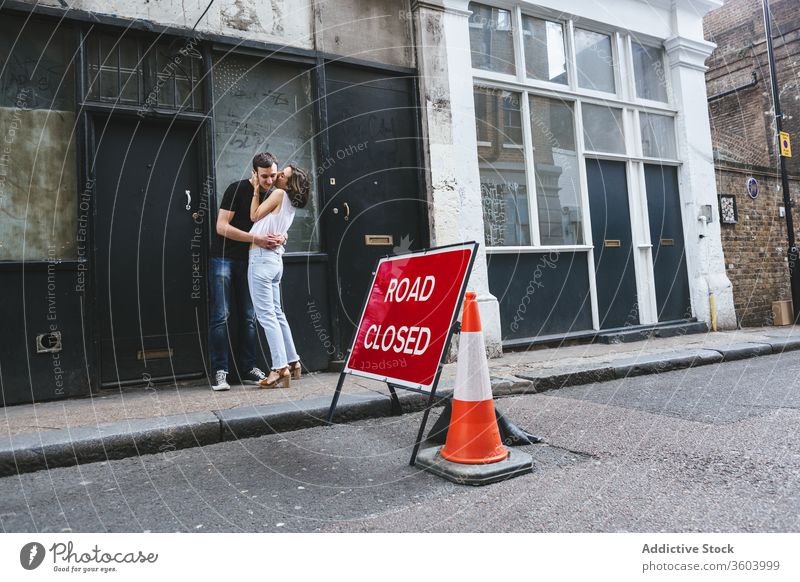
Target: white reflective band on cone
[{"x": 472, "y": 372}]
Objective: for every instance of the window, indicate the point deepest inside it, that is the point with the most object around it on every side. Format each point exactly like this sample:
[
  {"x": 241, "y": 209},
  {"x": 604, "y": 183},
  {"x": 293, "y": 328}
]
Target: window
[
  {"x": 545, "y": 58},
  {"x": 127, "y": 70},
  {"x": 595, "y": 61},
  {"x": 265, "y": 106},
  {"x": 38, "y": 169},
  {"x": 556, "y": 167},
  {"x": 658, "y": 136},
  {"x": 491, "y": 39},
  {"x": 648, "y": 68},
  {"x": 602, "y": 129},
  {"x": 501, "y": 163}
]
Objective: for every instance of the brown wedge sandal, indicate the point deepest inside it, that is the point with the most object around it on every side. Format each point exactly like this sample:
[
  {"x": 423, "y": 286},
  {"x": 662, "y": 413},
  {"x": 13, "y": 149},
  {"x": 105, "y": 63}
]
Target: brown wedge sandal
[
  {"x": 277, "y": 379},
  {"x": 296, "y": 370}
]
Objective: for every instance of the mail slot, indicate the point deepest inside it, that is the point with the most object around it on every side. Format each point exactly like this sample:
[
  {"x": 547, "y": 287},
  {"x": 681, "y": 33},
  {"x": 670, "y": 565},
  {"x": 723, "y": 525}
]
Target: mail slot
[
  {"x": 612, "y": 243},
  {"x": 667, "y": 242},
  {"x": 154, "y": 354},
  {"x": 378, "y": 240}
]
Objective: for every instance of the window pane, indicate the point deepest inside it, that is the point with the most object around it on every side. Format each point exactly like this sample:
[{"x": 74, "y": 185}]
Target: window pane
[
  {"x": 602, "y": 129},
  {"x": 501, "y": 162},
  {"x": 658, "y": 136},
  {"x": 491, "y": 39},
  {"x": 265, "y": 107},
  {"x": 545, "y": 59},
  {"x": 555, "y": 162},
  {"x": 648, "y": 67},
  {"x": 38, "y": 170},
  {"x": 595, "y": 60}
]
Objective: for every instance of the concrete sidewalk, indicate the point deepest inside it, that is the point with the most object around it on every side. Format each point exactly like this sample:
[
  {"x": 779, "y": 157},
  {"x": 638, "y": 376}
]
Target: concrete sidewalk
[{"x": 164, "y": 418}]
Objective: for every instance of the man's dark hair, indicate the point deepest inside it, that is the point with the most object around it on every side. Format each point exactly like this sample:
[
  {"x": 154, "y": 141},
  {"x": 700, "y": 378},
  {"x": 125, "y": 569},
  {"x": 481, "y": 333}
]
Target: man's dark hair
[
  {"x": 298, "y": 187},
  {"x": 264, "y": 160}
]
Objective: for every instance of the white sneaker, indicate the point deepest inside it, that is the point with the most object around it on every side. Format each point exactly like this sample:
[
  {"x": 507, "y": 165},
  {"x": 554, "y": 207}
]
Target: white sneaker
[
  {"x": 253, "y": 377},
  {"x": 221, "y": 382}
]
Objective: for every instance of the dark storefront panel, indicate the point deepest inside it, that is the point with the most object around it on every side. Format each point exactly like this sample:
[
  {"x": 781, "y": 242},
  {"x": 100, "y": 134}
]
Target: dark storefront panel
[
  {"x": 541, "y": 293},
  {"x": 613, "y": 243},
  {"x": 373, "y": 206},
  {"x": 666, "y": 235},
  {"x": 41, "y": 300}
]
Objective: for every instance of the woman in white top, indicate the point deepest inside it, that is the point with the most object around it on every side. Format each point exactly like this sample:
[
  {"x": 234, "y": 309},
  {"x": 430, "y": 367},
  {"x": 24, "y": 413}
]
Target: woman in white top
[{"x": 274, "y": 216}]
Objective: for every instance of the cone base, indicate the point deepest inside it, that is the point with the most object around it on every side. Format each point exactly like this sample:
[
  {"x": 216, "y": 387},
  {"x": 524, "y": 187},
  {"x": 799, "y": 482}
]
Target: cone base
[
  {"x": 473, "y": 437},
  {"x": 517, "y": 463}
]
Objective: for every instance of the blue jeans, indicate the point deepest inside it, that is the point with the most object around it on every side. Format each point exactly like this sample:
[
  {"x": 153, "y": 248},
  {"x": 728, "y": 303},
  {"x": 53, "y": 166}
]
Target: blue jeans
[
  {"x": 264, "y": 275},
  {"x": 229, "y": 282}
]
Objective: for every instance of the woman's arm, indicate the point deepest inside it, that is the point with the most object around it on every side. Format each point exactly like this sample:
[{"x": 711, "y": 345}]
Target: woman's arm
[{"x": 273, "y": 201}]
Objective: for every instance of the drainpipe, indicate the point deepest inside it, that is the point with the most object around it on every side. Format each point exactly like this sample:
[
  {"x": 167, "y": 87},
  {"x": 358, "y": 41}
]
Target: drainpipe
[{"x": 794, "y": 271}]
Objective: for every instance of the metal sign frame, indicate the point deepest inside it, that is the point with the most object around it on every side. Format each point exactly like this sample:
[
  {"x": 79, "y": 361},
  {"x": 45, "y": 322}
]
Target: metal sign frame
[{"x": 392, "y": 383}]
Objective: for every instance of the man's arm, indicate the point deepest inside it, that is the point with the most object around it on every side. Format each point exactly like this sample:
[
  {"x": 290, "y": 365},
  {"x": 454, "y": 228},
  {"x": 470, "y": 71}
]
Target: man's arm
[{"x": 226, "y": 229}]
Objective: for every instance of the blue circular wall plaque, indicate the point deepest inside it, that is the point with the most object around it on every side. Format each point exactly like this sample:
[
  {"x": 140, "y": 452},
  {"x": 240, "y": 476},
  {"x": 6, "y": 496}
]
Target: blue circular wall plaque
[{"x": 752, "y": 188}]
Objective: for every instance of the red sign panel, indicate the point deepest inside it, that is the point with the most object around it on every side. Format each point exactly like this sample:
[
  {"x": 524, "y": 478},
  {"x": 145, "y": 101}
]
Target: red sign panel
[{"x": 406, "y": 322}]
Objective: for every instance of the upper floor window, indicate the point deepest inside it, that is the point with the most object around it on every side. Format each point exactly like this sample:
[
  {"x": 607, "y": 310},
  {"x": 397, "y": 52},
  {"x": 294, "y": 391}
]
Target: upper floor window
[
  {"x": 649, "y": 75},
  {"x": 491, "y": 39},
  {"x": 595, "y": 61},
  {"x": 545, "y": 57}
]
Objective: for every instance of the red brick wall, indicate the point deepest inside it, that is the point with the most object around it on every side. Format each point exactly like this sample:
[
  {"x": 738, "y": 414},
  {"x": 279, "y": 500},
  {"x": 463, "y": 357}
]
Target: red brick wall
[{"x": 744, "y": 140}]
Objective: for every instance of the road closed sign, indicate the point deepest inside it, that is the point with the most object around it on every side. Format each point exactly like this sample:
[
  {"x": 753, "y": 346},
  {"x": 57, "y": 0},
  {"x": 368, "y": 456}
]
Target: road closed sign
[{"x": 405, "y": 324}]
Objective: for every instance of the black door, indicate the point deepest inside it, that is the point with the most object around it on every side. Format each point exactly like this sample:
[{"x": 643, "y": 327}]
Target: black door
[
  {"x": 149, "y": 264},
  {"x": 613, "y": 244},
  {"x": 666, "y": 234},
  {"x": 371, "y": 175}
]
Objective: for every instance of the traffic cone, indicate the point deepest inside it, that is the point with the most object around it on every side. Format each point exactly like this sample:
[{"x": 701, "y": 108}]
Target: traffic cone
[
  {"x": 473, "y": 453},
  {"x": 473, "y": 437}
]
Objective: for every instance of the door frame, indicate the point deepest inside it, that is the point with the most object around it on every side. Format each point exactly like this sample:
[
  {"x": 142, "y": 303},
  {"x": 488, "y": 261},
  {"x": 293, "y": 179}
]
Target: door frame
[{"x": 325, "y": 194}]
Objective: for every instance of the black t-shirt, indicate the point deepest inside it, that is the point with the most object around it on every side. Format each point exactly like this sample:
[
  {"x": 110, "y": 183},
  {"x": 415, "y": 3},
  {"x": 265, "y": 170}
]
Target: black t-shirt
[{"x": 237, "y": 199}]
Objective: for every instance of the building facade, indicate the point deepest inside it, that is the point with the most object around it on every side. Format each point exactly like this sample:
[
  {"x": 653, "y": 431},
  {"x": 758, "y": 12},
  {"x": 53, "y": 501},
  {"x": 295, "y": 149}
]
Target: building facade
[
  {"x": 570, "y": 140},
  {"x": 754, "y": 235}
]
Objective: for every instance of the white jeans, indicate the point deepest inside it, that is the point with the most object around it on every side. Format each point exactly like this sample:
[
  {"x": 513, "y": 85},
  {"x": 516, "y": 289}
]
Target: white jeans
[{"x": 264, "y": 274}]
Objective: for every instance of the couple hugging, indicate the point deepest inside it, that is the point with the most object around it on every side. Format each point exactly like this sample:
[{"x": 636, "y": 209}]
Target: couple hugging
[{"x": 246, "y": 266}]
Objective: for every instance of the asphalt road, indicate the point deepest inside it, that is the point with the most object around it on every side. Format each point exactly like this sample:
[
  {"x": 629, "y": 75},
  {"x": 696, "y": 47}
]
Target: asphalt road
[{"x": 712, "y": 449}]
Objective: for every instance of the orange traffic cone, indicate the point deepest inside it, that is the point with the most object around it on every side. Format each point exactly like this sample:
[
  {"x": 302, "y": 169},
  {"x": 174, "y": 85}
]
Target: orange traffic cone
[{"x": 473, "y": 437}]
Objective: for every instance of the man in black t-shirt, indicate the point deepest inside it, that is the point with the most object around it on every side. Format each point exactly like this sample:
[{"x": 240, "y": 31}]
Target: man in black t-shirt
[{"x": 228, "y": 273}]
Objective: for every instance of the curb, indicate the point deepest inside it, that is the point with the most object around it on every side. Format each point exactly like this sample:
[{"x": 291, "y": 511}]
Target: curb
[{"x": 30, "y": 452}]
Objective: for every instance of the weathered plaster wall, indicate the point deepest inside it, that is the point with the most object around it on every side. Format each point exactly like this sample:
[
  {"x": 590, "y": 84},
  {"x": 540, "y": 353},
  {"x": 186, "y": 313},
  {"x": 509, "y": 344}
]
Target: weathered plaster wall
[{"x": 373, "y": 30}]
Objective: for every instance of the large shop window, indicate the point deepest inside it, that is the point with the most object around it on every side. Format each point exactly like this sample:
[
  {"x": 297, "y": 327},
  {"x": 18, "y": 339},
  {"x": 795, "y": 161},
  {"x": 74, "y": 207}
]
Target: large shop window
[
  {"x": 262, "y": 106},
  {"x": 491, "y": 38},
  {"x": 555, "y": 162},
  {"x": 501, "y": 163},
  {"x": 38, "y": 180}
]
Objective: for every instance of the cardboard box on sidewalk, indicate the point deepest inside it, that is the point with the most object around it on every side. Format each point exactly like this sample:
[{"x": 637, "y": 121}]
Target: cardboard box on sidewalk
[{"x": 782, "y": 312}]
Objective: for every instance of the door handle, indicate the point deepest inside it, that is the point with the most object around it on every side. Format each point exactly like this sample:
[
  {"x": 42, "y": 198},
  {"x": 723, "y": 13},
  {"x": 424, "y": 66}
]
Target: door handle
[
  {"x": 346, "y": 211},
  {"x": 188, "y": 200}
]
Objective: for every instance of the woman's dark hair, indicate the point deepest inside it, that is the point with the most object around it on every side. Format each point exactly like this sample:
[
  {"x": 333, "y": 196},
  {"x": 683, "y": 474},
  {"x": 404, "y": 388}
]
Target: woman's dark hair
[{"x": 298, "y": 186}]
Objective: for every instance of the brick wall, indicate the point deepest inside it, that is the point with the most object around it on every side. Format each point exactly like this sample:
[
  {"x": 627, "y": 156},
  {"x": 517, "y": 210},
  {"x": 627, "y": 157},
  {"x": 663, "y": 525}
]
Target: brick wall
[{"x": 744, "y": 141}]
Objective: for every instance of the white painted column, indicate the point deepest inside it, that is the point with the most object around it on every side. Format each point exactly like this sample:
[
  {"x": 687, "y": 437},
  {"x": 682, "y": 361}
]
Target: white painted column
[
  {"x": 704, "y": 256},
  {"x": 451, "y": 149}
]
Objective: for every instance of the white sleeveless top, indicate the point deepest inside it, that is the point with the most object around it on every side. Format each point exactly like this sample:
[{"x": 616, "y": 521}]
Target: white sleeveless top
[{"x": 276, "y": 223}]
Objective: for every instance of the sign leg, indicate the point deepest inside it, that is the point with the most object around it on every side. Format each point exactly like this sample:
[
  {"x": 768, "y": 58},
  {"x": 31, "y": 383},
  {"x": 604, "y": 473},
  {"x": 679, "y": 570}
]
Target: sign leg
[
  {"x": 335, "y": 400},
  {"x": 397, "y": 410},
  {"x": 421, "y": 433}
]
